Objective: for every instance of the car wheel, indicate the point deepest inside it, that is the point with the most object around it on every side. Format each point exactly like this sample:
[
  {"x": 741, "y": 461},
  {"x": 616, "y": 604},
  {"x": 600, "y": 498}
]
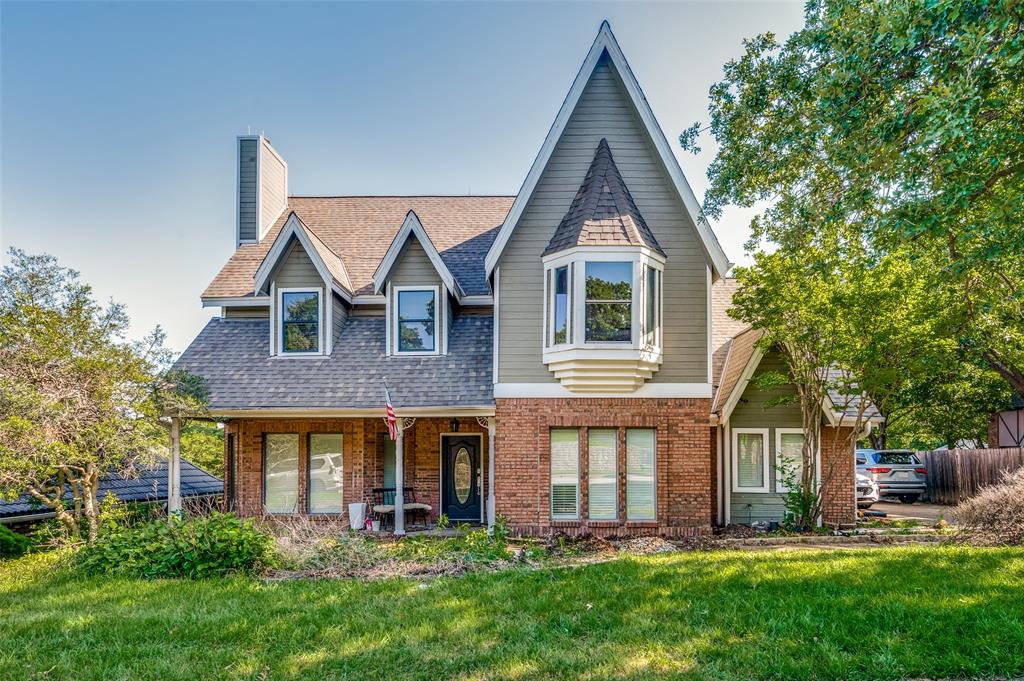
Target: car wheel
[{"x": 907, "y": 498}]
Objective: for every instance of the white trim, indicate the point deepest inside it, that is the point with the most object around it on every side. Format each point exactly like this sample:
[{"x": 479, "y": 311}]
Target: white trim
[
  {"x": 763, "y": 432},
  {"x": 553, "y": 390},
  {"x": 279, "y": 249},
  {"x": 579, "y": 475},
  {"x": 727, "y": 456},
  {"x": 711, "y": 379},
  {"x": 364, "y": 299},
  {"x": 479, "y": 473},
  {"x": 412, "y": 225},
  {"x": 440, "y": 317},
  {"x": 273, "y": 316},
  {"x": 494, "y": 324},
  {"x": 279, "y": 322},
  {"x": 720, "y": 476},
  {"x": 780, "y": 487},
  {"x": 239, "y": 301},
  {"x": 387, "y": 325},
  {"x": 605, "y": 42}
]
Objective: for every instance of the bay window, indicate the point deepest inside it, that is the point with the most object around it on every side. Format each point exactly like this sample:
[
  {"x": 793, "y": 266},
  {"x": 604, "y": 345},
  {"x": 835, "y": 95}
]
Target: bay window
[
  {"x": 558, "y": 301},
  {"x": 609, "y": 302}
]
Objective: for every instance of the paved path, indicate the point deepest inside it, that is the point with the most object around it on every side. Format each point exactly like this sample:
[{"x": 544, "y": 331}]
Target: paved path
[{"x": 928, "y": 513}]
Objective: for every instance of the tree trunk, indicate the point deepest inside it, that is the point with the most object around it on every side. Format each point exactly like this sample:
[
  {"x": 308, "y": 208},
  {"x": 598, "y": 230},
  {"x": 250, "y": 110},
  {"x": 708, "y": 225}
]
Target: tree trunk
[
  {"x": 90, "y": 481},
  {"x": 1013, "y": 375}
]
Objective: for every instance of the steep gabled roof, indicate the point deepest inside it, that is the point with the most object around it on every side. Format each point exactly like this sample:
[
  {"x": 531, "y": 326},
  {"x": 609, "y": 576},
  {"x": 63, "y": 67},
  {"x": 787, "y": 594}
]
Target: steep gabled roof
[
  {"x": 326, "y": 261},
  {"x": 412, "y": 227},
  {"x": 603, "y": 212},
  {"x": 359, "y": 229},
  {"x": 605, "y": 43}
]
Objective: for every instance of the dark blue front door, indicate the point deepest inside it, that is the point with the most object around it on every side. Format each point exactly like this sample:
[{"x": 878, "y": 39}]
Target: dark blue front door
[{"x": 460, "y": 475}]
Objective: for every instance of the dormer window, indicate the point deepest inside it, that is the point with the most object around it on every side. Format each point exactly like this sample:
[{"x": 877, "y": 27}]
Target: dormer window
[
  {"x": 301, "y": 312},
  {"x": 416, "y": 321}
]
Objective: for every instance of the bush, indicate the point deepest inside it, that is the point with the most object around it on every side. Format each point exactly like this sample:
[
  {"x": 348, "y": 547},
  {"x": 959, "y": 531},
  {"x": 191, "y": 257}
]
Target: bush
[
  {"x": 325, "y": 548},
  {"x": 13, "y": 544},
  {"x": 213, "y": 546},
  {"x": 995, "y": 516}
]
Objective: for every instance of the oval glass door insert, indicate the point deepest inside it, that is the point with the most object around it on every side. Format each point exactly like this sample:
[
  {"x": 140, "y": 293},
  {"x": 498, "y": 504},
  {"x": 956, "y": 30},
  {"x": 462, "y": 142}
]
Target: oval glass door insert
[{"x": 463, "y": 475}]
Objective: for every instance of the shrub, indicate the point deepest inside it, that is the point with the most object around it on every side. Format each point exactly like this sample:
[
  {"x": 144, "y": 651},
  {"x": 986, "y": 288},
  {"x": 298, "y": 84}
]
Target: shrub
[
  {"x": 995, "y": 516},
  {"x": 13, "y": 544},
  {"x": 213, "y": 546}
]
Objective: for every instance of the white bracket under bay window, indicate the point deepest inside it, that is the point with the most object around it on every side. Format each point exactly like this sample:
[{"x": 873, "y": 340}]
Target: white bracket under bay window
[
  {"x": 417, "y": 319},
  {"x": 603, "y": 317},
  {"x": 750, "y": 462},
  {"x": 300, "y": 312}
]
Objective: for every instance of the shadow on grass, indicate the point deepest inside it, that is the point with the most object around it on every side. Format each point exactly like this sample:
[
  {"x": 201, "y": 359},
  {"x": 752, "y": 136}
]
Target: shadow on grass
[{"x": 884, "y": 613}]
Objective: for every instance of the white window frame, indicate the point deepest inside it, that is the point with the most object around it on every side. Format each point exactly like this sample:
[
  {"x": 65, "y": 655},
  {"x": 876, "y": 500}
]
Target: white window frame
[
  {"x": 780, "y": 486},
  {"x": 549, "y": 307},
  {"x": 654, "y": 517},
  {"x": 309, "y": 475},
  {"x": 551, "y": 497},
  {"x": 577, "y": 259},
  {"x": 279, "y": 321},
  {"x": 615, "y": 473},
  {"x": 440, "y": 319},
  {"x": 765, "y": 488}
]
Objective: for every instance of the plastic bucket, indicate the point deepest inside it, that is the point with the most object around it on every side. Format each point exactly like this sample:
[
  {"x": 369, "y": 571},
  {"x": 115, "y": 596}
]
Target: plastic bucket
[{"x": 357, "y": 516}]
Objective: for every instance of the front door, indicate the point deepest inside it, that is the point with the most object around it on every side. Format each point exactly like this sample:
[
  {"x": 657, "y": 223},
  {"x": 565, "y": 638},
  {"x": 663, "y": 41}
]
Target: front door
[{"x": 460, "y": 476}]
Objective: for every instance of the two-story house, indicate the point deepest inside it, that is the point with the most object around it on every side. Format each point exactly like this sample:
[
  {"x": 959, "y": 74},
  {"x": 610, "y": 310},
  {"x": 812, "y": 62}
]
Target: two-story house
[{"x": 561, "y": 357}]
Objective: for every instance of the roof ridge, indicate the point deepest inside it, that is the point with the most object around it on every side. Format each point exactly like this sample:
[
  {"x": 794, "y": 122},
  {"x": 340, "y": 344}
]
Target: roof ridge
[{"x": 402, "y": 196}]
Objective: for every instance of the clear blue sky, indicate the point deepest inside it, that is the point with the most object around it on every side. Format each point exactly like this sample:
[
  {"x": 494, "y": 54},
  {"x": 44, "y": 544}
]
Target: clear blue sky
[{"x": 119, "y": 120}]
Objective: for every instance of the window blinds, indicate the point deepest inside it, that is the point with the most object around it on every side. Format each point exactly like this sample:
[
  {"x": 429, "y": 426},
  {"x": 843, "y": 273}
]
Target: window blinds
[
  {"x": 565, "y": 473},
  {"x": 640, "y": 492},
  {"x": 601, "y": 487}
]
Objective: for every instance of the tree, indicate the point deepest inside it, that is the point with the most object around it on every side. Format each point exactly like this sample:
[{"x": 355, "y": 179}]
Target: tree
[
  {"x": 77, "y": 400},
  {"x": 202, "y": 443},
  {"x": 901, "y": 126}
]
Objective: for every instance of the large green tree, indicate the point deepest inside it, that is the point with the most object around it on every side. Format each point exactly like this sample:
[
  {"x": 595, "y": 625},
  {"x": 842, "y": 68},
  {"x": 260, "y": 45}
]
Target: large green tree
[
  {"x": 895, "y": 126},
  {"x": 77, "y": 400}
]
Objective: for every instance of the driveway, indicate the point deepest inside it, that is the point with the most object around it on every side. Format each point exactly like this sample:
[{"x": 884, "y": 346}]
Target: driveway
[{"x": 926, "y": 513}]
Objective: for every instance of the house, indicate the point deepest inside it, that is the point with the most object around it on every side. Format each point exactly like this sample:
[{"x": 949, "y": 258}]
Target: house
[
  {"x": 561, "y": 357},
  {"x": 150, "y": 485}
]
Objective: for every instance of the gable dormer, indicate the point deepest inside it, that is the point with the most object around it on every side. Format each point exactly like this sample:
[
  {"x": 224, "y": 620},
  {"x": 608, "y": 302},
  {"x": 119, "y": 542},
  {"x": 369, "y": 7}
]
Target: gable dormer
[
  {"x": 306, "y": 283},
  {"x": 605, "y": 192},
  {"x": 418, "y": 289}
]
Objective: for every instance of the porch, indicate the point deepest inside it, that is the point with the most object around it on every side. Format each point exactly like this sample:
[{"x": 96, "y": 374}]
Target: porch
[{"x": 281, "y": 466}]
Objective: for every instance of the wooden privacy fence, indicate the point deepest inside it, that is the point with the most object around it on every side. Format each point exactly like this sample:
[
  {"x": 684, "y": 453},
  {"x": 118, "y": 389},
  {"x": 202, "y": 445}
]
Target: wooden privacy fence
[{"x": 957, "y": 474}]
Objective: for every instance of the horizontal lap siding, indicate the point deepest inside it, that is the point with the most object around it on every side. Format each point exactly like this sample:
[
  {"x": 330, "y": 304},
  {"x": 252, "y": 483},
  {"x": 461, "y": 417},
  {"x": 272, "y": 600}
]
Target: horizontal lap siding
[
  {"x": 413, "y": 268},
  {"x": 272, "y": 187},
  {"x": 604, "y": 111},
  {"x": 248, "y": 223},
  {"x": 297, "y": 271}
]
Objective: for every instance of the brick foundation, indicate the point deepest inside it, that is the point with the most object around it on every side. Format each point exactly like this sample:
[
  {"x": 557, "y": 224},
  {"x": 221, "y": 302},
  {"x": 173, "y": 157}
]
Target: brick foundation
[{"x": 684, "y": 469}]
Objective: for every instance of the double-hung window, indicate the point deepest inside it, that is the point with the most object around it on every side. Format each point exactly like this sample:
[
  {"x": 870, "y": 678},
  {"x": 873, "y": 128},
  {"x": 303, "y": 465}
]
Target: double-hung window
[
  {"x": 652, "y": 306},
  {"x": 750, "y": 459},
  {"x": 640, "y": 478},
  {"x": 789, "y": 458},
  {"x": 416, "y": 321},
  {"x": 559, "y": 328},
  {"x": 565, "y": 473},
  {"x": 301, "y": 312},
  {"x": 602, "y": 455},
  {"x": 326, "y": 473},
  {"x": 609, "y": 302},
  {"x": 281, "y": 472}
]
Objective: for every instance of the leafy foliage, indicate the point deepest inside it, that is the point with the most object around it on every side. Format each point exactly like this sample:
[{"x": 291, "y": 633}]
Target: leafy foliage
[
  {"x": 13, "y": 544},
  {"x": 212, "y": 546},
  {"x": 202, "y": 443}
]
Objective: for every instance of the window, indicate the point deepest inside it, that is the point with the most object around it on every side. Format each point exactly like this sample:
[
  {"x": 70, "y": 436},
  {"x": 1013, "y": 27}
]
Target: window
[
  {"x": 652, "y": 306},
  {"x": 326, "y": 473},
  {"x": 389, "y": 463},
  {"x": 280, "y": 473},
  {"x": 609, "y": 302},
  {"x": 565, "y": 474},
  {"x": 640, "y": 495},
  {"x": 789, "y": 458},
  {"x": 300, "y": 321},
  {"x": 559, "y": 306},
  {"x": 750, "y": 459},
  {"x": 417, "y": 321},
  {"x": 601, "y": 487}
]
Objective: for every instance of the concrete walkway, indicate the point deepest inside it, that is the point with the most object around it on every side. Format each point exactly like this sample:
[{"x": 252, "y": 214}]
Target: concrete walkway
[{"x": 926, "y": 513}]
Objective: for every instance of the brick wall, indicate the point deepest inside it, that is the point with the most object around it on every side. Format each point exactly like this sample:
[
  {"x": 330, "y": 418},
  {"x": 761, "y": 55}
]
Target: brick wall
[
  {"x": 838, "y": 472},
  {"x": 684, "y": 468},
  {"x": 363, "y": 457}
]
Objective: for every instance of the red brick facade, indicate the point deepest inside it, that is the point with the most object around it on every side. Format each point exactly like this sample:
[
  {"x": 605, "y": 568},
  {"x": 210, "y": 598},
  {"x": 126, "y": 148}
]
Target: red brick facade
[
  {"x": 838, "y": 471},
  {"x": 363, "y": 457},
  {"x": 683, "y": 464}
]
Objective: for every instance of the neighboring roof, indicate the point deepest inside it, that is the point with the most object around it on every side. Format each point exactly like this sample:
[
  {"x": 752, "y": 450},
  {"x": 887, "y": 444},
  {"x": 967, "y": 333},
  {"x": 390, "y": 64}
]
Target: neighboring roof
[
  {"x": 412, "y": 227},
  {"x": 739, "y": 351},
  {"x": 233, "y": 356},
  {"x": 327, "y": 262},
  {"x": 359, "y": 230},
  {"x": 723, "y": 327},
  {"x": 605, "y": 43},
  {"x": 603, "y": 212},
  {"x": 150, "y": 485}
]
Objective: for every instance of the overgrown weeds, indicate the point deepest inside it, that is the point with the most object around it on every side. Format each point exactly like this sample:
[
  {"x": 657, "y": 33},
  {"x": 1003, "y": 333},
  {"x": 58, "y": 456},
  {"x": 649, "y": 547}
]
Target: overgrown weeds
[{"x": 994, "y": 516}]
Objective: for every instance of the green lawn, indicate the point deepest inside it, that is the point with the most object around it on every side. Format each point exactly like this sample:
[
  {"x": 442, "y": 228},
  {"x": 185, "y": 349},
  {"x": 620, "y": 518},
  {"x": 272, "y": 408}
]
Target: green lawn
[{"x": 864, "y": 614}]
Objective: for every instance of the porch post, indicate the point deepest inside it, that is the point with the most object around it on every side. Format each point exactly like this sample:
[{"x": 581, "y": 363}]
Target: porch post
[
  {"x": 174, "y": 469},
  {"x": 490, "y": 472},
  {"x": 399, "y": 477}
]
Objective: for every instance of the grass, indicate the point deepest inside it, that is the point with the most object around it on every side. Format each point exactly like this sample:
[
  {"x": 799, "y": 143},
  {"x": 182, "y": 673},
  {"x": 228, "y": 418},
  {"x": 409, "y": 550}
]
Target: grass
[{"x": 856, "y": 614}]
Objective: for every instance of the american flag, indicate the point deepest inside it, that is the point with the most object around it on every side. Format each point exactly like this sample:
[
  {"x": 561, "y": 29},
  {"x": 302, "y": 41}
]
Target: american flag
[{"x": 392, "y": 424}]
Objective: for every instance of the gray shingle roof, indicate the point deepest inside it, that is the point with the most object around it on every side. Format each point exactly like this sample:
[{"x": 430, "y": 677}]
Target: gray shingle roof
[
  {"x": 150, "y": 485},
  {"x": 233, "y": 357},
  {"x": 603, "y": 212}
]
